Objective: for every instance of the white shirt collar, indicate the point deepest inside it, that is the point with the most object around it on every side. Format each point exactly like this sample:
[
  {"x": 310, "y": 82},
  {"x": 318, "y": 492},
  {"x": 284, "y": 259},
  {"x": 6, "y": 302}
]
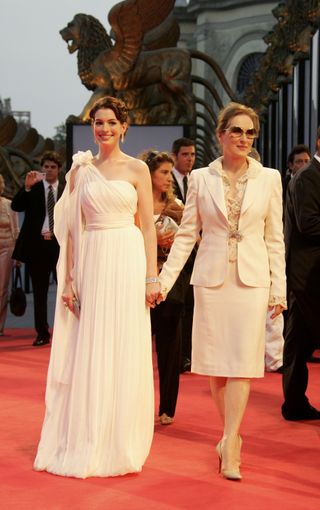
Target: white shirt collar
[
  {"x": 179, "y": 176},
  {"x": 47, "y": 184}
]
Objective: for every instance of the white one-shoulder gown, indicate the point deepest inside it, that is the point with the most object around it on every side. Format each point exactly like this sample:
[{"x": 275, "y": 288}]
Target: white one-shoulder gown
[{"x": 99, "y": 398}]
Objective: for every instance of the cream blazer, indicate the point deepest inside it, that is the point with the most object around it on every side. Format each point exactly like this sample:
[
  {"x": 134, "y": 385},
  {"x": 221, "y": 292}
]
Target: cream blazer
[{"x": 260, "y": 254}]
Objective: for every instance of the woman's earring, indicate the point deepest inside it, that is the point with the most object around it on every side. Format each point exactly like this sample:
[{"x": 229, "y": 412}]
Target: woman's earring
[{"x": 122, "y": 138}]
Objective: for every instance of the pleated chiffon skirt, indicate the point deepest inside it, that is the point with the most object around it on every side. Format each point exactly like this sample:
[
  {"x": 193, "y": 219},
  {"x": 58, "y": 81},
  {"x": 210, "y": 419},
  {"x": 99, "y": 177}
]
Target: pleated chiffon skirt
[{"x": 100, "y": 422}]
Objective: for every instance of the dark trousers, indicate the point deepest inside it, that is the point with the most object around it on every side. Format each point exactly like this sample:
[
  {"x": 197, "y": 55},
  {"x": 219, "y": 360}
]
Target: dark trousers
[
  {"x": 40, "y": 269},
  {"x": 166, "y": 325},
  {"x": 301, "y": 333},
  {"x": 187, "y": 320}
]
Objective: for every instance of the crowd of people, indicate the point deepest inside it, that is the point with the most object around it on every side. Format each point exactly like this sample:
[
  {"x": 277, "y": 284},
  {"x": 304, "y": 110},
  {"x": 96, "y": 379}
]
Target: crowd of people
[{"x": 149, "y": 246}]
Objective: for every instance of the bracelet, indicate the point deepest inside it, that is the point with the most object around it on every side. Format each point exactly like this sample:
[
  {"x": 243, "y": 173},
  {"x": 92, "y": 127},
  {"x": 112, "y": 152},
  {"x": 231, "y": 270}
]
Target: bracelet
[{"x": 153, "y": 279}]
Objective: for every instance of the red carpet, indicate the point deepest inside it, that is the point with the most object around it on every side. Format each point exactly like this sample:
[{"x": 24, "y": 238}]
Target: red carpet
[{"x": 281, "y": 460}]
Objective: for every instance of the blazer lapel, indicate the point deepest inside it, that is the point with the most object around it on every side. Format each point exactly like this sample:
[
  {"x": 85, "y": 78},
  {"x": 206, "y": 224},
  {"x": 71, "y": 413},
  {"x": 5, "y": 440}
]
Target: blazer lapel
[
  {"x": 215, "y": 187},
  {"x": 251, "y": 193},
  {"x": 176, "y": 188}
]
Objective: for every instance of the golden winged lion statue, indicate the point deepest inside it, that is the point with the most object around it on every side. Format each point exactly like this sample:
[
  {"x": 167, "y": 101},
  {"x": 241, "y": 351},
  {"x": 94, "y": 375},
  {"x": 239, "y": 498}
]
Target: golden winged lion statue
[{"x": 142, "y": 66}]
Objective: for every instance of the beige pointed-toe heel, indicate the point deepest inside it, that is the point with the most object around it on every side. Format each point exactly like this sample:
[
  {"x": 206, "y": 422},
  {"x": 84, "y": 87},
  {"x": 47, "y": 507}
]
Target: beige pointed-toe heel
[{"x": 232, "y": 472}]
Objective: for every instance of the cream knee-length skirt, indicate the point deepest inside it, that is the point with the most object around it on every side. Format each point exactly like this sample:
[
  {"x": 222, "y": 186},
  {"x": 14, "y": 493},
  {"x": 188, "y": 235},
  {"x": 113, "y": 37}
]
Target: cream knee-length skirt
[{"x": 228, "y": 335}]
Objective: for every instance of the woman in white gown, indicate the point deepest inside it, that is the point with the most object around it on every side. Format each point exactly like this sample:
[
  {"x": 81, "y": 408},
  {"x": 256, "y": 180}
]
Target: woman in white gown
[
  {"x": 99, "y": 399},
  {"x": 239, "y": 270}
]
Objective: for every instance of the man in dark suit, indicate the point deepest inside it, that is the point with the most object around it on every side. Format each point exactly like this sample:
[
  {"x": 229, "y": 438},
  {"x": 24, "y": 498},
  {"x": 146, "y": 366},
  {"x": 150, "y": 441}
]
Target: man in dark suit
[
  {"x": 297, "y": 159},
  {"x": 184, "y": 155},
  {"x": 36, "y": 244},
  {"x": 302, "y": 238}
]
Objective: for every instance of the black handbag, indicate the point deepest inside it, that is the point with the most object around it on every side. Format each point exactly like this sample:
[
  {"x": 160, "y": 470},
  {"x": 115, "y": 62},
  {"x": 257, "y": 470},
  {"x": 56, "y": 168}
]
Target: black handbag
[{"x": 18, "y": 301}]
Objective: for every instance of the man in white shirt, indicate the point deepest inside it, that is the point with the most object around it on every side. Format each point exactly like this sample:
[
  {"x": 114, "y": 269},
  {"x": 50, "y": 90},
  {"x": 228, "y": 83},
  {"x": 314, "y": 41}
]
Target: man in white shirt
[
  {"x": 184, "y": 155},
  {"x": 36, "y": 244}
]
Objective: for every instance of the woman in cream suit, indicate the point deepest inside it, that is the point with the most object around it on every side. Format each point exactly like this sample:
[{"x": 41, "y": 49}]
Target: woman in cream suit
[
  {"x": 8, "y": 234},
  {"x": 238, "y": 273}
]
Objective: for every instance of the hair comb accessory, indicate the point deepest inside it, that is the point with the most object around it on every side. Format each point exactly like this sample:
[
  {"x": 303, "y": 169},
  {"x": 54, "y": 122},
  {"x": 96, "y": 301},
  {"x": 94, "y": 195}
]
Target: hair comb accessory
[{"x": 151, "y": 156}]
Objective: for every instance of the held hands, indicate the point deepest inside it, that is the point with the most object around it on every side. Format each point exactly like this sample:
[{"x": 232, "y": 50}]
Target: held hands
[
  {"x": 152, "y": 293},
  {"x": 277, "y": 310}
]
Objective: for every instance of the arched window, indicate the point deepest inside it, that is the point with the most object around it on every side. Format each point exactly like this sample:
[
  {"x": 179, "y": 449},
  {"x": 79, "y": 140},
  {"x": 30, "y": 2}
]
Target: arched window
[{"x": 249, "y": 65}]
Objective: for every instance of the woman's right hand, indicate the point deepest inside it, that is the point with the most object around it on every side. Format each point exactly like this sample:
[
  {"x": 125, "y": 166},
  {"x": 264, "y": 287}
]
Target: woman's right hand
[{"x": 68, "y": 297}]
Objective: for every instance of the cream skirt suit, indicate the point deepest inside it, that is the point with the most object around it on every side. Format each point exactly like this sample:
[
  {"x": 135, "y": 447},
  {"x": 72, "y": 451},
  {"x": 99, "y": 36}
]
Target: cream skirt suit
[{"x": 239, "y": 268}]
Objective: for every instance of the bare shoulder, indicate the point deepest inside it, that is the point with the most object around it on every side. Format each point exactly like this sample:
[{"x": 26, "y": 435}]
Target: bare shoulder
[
  {"x": 138, "y": 169},
  {"x": 136, "y": 165}
]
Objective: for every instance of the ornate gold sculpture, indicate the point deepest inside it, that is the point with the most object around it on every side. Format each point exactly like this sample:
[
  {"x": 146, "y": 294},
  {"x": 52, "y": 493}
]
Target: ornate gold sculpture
[
  {"x": 154, "y": 81},
  {"x": 288, "y": 42},
  {"x": 20, "y": 148}
]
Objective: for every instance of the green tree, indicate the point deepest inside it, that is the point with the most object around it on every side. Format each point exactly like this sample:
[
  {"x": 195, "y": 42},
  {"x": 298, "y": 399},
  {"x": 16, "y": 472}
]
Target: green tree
[{"x": 60, "y": 138}]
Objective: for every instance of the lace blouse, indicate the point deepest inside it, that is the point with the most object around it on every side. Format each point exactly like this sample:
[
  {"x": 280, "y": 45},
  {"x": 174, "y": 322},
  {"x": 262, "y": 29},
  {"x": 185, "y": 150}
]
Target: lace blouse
[{"x": 233, "y": 204}]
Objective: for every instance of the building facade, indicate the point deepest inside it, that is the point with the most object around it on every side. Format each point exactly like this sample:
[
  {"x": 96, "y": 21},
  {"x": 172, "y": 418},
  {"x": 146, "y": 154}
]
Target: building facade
[{"x": 269, "y": 53}]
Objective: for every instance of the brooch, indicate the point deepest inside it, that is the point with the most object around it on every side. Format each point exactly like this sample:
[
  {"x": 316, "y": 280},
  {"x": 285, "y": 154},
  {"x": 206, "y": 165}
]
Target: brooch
[{"x": 235, "y": 234}]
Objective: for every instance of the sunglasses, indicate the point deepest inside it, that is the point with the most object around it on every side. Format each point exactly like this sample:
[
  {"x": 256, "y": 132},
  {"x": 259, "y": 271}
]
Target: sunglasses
[{"x": 238, "y": 132}]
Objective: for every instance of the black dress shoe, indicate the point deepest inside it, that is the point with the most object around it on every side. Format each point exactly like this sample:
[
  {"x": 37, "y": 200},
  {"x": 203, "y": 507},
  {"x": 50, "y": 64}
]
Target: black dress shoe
[
  {"x": 41, "y": 341},
  {"x": 308, "y": 413}
]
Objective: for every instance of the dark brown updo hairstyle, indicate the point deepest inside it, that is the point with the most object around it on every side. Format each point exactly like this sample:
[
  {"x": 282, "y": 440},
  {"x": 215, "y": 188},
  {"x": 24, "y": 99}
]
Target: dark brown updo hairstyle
[
  {"x": 112, "y": 103},
  {"x": 232, "y": 110}
]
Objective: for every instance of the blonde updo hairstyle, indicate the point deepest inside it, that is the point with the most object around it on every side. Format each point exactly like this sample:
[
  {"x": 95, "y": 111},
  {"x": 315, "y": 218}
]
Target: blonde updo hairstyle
[{"x": 232, "y": 110}]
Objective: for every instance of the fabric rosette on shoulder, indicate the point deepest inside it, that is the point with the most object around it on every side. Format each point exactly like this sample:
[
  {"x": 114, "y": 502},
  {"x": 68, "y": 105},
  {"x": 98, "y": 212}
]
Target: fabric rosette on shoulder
[{"x": 82, "y": 158}]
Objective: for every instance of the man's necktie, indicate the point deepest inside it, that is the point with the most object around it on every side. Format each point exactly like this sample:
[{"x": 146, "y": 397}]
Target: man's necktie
[
  {"x": 50, "y": 205},
  {"x": 185, "y": 187}
]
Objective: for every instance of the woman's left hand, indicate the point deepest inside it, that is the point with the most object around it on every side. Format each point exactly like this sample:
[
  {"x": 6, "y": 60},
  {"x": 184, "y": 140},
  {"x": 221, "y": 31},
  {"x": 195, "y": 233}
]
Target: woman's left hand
[
  {"x": 152, "y": 293},
  {"x": 277, "y": 310}
]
